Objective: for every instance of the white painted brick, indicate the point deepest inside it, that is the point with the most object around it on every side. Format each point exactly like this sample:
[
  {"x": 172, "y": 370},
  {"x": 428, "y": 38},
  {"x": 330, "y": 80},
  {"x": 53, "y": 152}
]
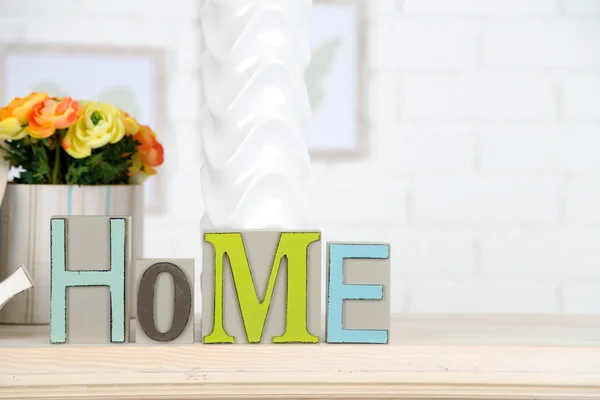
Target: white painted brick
[
  {"x": 188, "y": 46},
  {"x": 12, "y": 28},
  {"x": 429, "y": 148},
  {"x": 401, "y": 43},
  {"x": 356, "y": 198},
  {"x": 157, "y": 238},
  {"x": 382, "y": 98},
  {"x": 481, "y": 201},
  {"x": 482, "y": 298},
  {"x": 480, "y": 7},
  {"x": 582, "y": 298},
  {"x": 187, "y": 241},
  {"x": 380, "y": 8},
  {"x": 426, "y": 254},
  {"x": 581, "y": 8},
  {"x": 399, "y": 301},
  {"x": 186, "y": 195},
  {"x": 65, "y": 8},
  {"x": 543, "y": 44},
  {"x": 357, "y": 232},
  {"x": 550, "y": 255},
  {"x": 478, "y": 97},
  {"x": 111, "y": 31},
  {"x": 188, "y": 147},
  {"x": 583, "y": 200},
  {"x": 183, "y": 94},
  {"x": 579, "y": 148},
  {"x": 519, "y": 149},
  {"x": 384, "y": 154},
  {"x": 568, "y": 148},
  {"x": 582, "y": 97},
  {"x": 161, "y": 222},
  {"x": 135, "y": 10},
  {"x": 148, "y": 9},
  {"x": 382, "y": 149}
]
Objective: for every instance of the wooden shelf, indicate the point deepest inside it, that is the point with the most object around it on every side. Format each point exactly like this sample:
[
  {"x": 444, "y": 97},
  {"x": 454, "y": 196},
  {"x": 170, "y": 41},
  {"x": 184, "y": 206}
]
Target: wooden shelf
[{"x": 430, "y": 357}]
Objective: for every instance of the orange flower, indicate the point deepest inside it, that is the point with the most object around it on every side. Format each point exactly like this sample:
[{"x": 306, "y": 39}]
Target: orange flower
[
  {"x": 16, "y": 114},
  {"x": 149, "y": 154},
  {"x": 22, "y": 107},
  {"x": 52, "y": 114}
]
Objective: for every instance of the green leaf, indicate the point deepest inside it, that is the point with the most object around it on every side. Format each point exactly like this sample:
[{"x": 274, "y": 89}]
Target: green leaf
[
  {"x": 108, "y": 165},
  {"x": 319, "y": 69}
]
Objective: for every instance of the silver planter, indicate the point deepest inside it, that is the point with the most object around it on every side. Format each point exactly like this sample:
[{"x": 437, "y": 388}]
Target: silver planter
[{"x": 25, "y": 236}]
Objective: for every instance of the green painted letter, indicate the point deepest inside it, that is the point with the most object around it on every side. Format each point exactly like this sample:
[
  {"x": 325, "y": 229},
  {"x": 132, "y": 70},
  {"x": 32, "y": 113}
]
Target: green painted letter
[{"x": 293, "y": 246}]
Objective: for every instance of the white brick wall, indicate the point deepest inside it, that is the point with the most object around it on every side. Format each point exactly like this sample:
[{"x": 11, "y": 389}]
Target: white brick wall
[
  {"x": 423, "y": 44},
  {"x": 582, "y": 95},
  {"x": 480, "y": 8},
  {"x": 477, "y": 96},
  {"x": 484, "y": 122},
  {"x": 486, "y": 201},
  {"x": 482, "y": 297},
  {"x": 496, "y": 130},
  {"x": 581, "y": 8},
  {"x": 542, "y": 44},
  {"x": 519, "y": 149}
]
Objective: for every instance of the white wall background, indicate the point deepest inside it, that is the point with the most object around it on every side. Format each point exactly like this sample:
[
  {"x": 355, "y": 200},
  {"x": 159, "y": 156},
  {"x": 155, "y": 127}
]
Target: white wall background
[{"x": 484, "y": 120}]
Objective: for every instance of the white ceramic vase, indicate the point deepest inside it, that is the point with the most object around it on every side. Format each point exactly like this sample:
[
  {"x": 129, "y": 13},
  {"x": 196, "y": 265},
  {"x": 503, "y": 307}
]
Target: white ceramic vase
[
  {"x": 25, "y": 235},
  {"x": 256, "y": 107}
]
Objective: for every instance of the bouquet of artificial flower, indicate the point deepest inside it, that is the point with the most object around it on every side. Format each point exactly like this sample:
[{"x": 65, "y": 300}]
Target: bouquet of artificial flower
[{"x": 63, "y": 141}]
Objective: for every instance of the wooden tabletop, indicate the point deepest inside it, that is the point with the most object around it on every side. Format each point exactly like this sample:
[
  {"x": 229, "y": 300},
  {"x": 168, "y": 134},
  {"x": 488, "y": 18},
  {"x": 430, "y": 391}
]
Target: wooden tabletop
[{"x": 430, "y": 357}]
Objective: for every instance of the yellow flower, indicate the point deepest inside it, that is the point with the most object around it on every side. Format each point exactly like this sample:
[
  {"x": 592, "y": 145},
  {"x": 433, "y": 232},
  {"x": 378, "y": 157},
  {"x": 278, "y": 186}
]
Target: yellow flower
[
  {"x": 10, "y": 127},
  {"x": 98, "y": 125},
  {"x": 131, "y": 125}
]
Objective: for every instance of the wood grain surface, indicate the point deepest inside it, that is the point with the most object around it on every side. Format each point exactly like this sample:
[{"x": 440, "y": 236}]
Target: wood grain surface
[{"x": 430, "y": 357}]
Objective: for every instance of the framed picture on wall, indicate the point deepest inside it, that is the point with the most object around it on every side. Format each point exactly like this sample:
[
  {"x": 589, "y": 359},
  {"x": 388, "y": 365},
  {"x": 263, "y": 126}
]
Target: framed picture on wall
[
  {"x": 130, "y": 78},
  {"x": 335, "y": 79}
]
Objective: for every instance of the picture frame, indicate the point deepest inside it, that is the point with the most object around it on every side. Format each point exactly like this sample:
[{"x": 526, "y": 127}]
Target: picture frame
[
  {"x": 136, "y": 84},
  {"x": 336, "y": 80}
]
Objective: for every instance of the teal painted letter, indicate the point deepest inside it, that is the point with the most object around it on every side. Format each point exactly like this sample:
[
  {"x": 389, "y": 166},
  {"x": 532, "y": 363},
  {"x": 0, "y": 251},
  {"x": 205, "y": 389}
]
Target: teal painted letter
[
  {"x": 61, "y": 279},
  {"x": 338, "y": 292}
]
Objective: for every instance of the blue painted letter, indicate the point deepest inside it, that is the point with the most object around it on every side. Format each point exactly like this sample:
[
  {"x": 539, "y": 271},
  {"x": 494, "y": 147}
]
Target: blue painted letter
[
  {"x": 338, "y": 292},
  {"x": 61, "y": 278}
]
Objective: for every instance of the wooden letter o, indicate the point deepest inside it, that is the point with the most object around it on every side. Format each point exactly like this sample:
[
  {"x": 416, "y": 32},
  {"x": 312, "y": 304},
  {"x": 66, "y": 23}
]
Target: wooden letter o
[{"x": 182, "y": 305}]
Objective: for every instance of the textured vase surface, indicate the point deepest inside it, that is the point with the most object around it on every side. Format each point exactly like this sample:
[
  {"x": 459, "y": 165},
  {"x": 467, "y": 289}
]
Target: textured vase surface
[
  {"x": 25, "y": 236},
  {"x": 255, "y": 110}
]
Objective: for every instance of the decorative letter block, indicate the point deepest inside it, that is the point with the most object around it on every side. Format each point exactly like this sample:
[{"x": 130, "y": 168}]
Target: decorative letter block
[
  {"x": 365, "y": 276},
  {"x": 165, "y": 299},
  {"x": 88, "y": 285},
  {"x": 246, "y": 297},
  {"x": 16, "y": 283}
]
